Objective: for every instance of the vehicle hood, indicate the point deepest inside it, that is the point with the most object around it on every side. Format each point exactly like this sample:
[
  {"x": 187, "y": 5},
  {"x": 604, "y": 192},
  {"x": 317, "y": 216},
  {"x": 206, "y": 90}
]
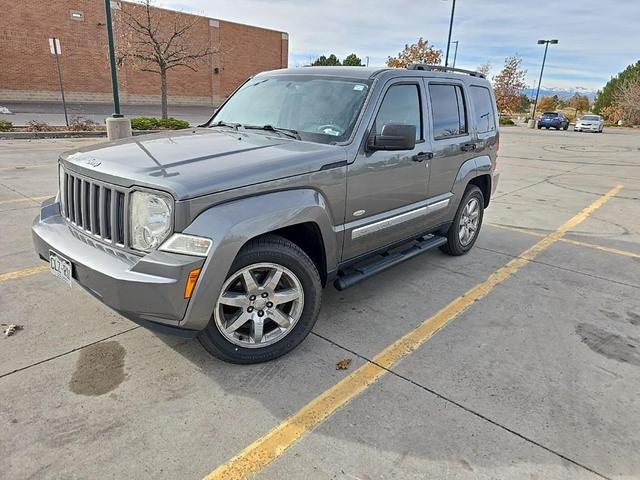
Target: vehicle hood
[{"x": 196, "y": 162}]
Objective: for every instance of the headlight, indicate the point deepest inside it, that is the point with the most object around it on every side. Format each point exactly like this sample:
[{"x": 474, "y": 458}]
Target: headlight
[
  {"x": 150, "y": 219},
  {"x": 187, "y": 244}
]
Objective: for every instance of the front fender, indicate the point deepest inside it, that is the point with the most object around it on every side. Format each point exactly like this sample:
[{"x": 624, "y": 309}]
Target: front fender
[{"x": 233, "y": 224}]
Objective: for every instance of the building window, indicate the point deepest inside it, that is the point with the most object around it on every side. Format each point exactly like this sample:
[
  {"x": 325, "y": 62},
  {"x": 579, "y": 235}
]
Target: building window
[{"x": 76, "y": 15}]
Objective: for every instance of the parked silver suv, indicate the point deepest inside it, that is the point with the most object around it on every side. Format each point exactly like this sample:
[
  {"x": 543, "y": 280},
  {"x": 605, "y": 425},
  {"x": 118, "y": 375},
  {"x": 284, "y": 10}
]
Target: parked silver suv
[{"x": 303, "y": 177}]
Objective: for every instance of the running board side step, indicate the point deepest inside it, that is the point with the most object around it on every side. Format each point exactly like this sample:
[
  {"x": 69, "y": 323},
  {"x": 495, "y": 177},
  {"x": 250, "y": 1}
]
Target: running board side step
[{"x": 358, "y": 274}]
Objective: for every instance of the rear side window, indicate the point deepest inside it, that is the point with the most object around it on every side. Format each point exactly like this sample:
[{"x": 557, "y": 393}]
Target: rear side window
[
  {"x": 401, "y": 104},
  {"x": 448, "y": 110},
  {"x": 483, "y": 106}
]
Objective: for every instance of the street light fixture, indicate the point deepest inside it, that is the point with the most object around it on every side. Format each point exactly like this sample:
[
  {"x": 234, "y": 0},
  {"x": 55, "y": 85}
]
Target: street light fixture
[
  {"x": 455, "y": 53},
  {"x": 544, "y": 58},
  {"x": 112, "y": 60},
  {"x": 117, "y": 126},
  {"x": 453, "y": 9}
]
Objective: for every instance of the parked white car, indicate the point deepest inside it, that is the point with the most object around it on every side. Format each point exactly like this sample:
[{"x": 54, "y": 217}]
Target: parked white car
[{"x": 589, "y": 123}]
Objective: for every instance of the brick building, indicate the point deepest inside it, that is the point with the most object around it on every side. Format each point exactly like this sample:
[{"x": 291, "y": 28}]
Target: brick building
[{"x": 28, "y": 70}]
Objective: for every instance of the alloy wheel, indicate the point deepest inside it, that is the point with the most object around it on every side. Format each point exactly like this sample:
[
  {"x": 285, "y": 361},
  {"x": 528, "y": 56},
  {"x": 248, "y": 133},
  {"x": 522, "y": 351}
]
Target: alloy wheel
[
  {"x": 469, "y": 221},
  {"x": 259, "y": 305}
]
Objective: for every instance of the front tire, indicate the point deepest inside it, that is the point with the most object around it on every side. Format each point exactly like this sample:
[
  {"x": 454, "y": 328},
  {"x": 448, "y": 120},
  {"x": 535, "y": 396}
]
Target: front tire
[
  {"x": 268, "y": 304},
  {"x": 464, "y": 230}
]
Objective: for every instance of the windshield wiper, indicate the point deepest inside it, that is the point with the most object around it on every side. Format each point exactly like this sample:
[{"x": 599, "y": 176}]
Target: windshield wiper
[
  {"x": 225, "y": 124},
  {"x": 270, "y": 128}
]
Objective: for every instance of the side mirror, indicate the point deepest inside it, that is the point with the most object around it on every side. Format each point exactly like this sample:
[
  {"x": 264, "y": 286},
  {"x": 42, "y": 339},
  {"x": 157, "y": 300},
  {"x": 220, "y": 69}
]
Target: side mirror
[{"x": 394, "y": 136}]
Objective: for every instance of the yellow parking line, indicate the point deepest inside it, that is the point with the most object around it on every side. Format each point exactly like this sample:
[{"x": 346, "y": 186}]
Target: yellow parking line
[
  {"x": 23, "y": 273},
  {"x": 617, "y": 251},
  {"x": 25, "y": 199},
  {"x": 269, "y": 447},
  {"x": 602, "y": 248}
]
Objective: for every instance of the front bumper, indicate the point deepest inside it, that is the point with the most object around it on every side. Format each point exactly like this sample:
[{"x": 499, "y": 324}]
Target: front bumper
[
  {"x": 495, "y": 177},
  {"x": 587, "y": 128},
  {"x": 147, "y": 289}
]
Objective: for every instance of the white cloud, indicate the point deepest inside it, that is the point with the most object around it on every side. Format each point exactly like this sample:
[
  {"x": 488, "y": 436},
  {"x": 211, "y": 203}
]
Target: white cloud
[{"x": 597, "y": 38}]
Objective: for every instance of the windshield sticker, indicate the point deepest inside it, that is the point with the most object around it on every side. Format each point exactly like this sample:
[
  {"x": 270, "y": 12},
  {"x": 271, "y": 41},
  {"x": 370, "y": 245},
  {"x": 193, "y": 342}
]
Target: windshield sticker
[{"x": 358, "y": 87}]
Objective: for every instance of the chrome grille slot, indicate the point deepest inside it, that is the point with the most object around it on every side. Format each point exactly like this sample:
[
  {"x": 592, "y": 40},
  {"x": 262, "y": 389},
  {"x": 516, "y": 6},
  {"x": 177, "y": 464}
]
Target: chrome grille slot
[{"x": 96, "y": 208}]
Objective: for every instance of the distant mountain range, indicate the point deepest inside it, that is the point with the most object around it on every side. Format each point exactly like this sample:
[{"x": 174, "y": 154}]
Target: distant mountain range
[{"x": 561, "y": 92}]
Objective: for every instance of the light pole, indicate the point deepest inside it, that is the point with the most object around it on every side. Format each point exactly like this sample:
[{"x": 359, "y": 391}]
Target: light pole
[
  {"x": 117, "y": 125},
  {"x": 453, "y": 10},
  {"x": 455, "y": 54},
  {"x": 544, "y": 59}
]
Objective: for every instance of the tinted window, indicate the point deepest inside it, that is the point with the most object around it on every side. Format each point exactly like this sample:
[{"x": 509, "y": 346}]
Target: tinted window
[
  {"x": 448, "y": 110},
  {"x": 401, "y": 104},
  {"x": 483, "y": 106},
  {"x": 550, "y": 114}
]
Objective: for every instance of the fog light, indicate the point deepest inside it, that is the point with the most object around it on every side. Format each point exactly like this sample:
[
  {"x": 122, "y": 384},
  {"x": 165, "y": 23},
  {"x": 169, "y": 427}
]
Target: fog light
[{"x": 187, "y": 245}]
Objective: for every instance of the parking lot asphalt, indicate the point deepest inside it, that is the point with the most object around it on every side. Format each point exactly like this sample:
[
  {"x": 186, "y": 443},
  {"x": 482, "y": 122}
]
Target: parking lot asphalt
[{"x": 520, "y": 359}]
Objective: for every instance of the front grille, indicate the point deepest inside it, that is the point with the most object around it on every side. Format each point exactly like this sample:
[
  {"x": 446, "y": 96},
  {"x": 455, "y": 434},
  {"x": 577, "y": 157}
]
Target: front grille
[{"x": 96, "y": 208}]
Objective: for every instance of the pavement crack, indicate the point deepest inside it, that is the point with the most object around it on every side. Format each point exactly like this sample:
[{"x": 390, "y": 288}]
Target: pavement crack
[
  {"x": 545, "y": 179},
  {"x": 465, "y": 408},
  {"x": 40, "y": 362},
  {"x": 591, "y": 275}
]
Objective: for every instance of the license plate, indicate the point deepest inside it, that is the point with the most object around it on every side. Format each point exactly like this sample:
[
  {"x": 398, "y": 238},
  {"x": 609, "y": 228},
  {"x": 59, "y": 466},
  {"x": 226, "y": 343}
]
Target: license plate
[{"x": 60, "y": 267}]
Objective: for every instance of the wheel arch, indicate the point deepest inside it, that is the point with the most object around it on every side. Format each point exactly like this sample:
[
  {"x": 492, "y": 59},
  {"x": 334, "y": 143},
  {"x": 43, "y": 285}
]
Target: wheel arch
[
  {"x": 483, "y": 182},
  {"x": 308, "y": 237},
  {"x": 300, "y": 215}
]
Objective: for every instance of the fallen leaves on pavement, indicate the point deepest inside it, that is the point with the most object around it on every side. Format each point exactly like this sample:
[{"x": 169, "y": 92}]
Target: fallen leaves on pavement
[
  {"x": 11, "y": 329},
  {"x": 343, "y": 364}
]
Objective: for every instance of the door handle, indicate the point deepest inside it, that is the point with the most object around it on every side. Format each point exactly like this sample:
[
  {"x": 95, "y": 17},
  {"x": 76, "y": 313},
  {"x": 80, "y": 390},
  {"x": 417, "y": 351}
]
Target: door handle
[
  {"x": 467, "y": 147},
  {"x": 421, "y": 156}
]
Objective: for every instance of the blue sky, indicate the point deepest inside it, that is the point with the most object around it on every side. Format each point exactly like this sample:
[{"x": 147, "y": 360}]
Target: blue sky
[{"x": 598, "y": 38}]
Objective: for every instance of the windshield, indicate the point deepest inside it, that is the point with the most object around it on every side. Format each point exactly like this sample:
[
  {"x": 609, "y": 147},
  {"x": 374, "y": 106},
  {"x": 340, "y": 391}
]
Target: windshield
[
  {"x": 318, "y": 109},
  {"x": 549, "y": 114},
  {"x": 591, "y": 117}
]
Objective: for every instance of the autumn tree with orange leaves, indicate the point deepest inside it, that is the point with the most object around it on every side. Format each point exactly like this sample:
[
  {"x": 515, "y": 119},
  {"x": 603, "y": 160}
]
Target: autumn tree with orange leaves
[
  {"x": 509, "y": 84},
  {"x": 420, "y": 52}
]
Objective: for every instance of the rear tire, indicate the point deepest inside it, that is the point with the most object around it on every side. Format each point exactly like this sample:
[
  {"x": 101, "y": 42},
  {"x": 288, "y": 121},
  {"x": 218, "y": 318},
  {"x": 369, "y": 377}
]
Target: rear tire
[
  {"x": 228, "y": 339},
  {"x": 472, "y": 203}
]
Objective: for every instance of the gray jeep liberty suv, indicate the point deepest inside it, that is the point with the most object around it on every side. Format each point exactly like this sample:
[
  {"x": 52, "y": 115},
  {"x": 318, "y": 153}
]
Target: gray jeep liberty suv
[{"x": 304, "y": 176}]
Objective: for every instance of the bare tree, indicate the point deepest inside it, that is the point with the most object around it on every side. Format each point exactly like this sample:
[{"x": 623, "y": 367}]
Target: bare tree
[
  {"x": 484, "y": 69},
  {"x": 158, "y": 41},
  {"x": 627, "y": 101}
]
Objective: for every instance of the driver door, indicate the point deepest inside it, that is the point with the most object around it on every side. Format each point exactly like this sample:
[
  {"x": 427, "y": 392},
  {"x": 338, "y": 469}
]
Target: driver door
[{"x": 387, "y": 190}]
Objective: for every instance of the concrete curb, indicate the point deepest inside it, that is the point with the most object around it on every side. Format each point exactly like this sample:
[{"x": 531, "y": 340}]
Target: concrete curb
[{"x": 64, "y": 134}]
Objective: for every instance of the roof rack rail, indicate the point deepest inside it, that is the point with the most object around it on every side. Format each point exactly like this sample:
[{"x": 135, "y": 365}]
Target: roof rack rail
[{"x": 440, "y": 68}]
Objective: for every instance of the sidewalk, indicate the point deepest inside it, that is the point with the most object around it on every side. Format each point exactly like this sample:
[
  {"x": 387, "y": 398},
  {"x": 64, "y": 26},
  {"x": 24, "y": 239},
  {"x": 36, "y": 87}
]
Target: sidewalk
[{"x": 53, "y": 113}]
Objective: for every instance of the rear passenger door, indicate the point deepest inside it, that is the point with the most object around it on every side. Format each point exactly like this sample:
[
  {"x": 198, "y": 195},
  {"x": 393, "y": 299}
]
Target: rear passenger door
[
  {"x": 485, "y": 119},
  {"x": 452, "y": 139}
]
